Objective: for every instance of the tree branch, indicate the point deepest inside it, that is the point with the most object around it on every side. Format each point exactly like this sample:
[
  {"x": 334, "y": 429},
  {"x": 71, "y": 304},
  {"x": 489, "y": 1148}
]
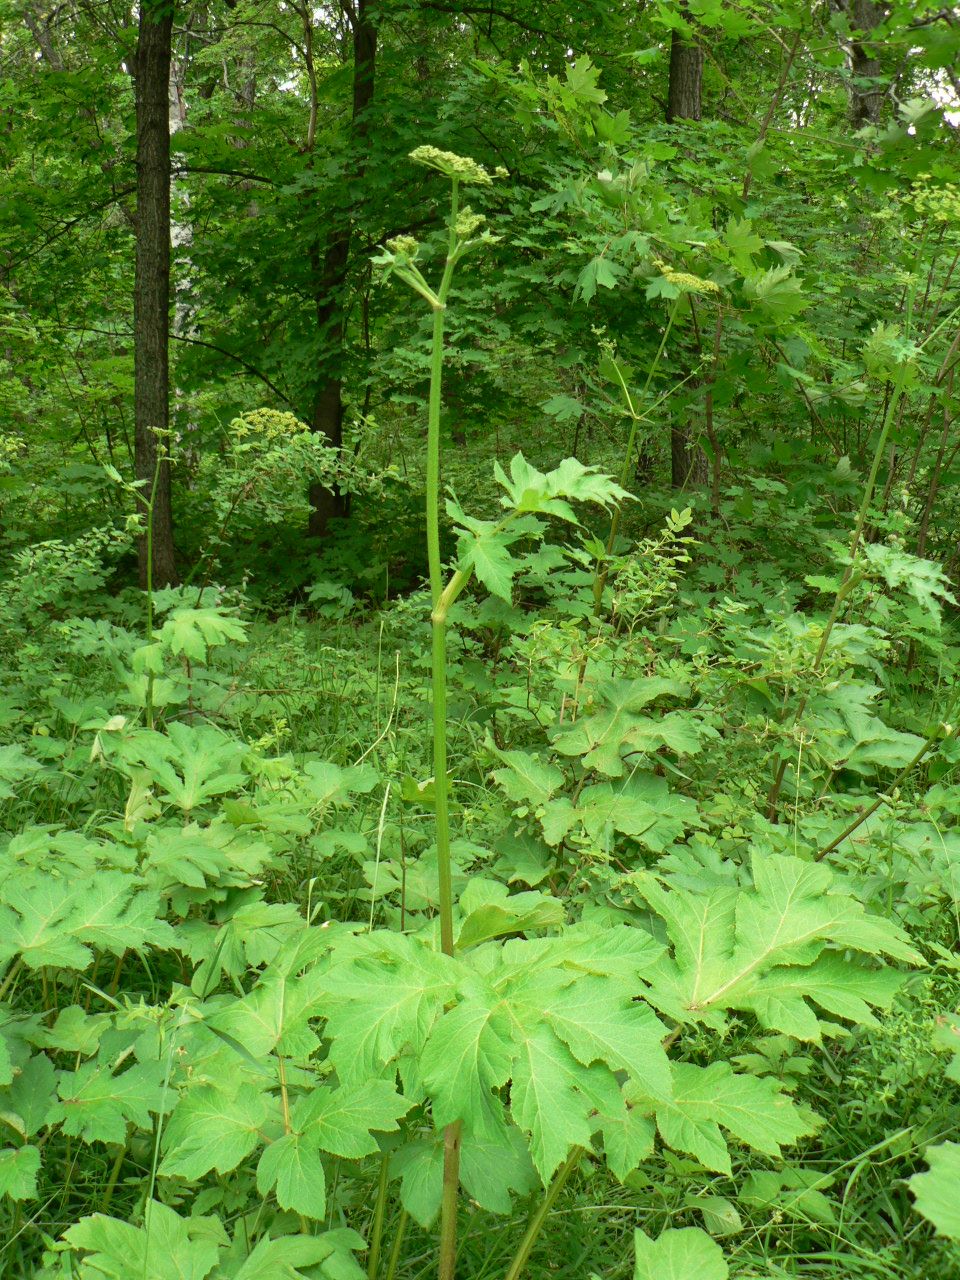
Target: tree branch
[
  {"x": 70, "y": 224},
  {"x": 181, "y": 170},
  {"x": 491, "y": 11},
  {"x": 231, "y": 355}
]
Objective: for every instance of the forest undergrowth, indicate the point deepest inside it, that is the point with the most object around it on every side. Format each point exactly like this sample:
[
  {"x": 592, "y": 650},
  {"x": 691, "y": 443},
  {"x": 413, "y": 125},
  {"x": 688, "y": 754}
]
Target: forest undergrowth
[
  {"x": 670, "y": 990},
  {"x": 479, "y": 765}
]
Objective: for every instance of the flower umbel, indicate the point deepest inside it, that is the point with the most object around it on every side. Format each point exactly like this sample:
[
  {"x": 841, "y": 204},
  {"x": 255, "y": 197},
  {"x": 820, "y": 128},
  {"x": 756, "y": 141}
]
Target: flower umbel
[
  {"x": 454, "y": 166},
  {"x": 468, "y": 222},
  {"x": 404, "y": 247},
  {"x": 685, "y": 281}
]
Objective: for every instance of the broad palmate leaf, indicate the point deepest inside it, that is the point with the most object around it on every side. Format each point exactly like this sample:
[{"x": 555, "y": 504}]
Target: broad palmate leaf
[
  {"x": 48, "y": 921},
  {"x": 338, "y": 1121},
  {"x": 213, "y": 1128},
  {"x": 166, "y": 1246},
  {"x": 534, "y": 1030},
  {"x": 557, "y": 1032},
  {"x": 754, "y": 948},
  {"x": 96, "y": 1105},
  {"x": 19, "y": 1167},
  {"x": 754, "y": 1110},
  {"x": 383, "y": 1002}
]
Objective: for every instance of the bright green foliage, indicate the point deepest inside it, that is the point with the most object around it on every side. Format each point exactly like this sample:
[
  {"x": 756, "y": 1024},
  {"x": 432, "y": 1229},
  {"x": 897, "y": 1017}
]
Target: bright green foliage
[
  {"x": 708, "y": 1099},
  {"x": 188, "y": 1247},
  {"x": 191, "y": 633},
  {"x": 740, "y": 948},
  {"x": 613, "y": 727},
  {"x": 19, "y": 1167},
  {"x": 96, "y": 1105},
  {"x": 701, "y": 750},
  {"x": 50, "y": 922},
  {"x": 484, "y": 545},
  {"x": 212, "y": 1128},
  {"x": 937, "y": 1191},
  {"x": 677, "y": 1254},
  {"x": 191, "y": 1248}
]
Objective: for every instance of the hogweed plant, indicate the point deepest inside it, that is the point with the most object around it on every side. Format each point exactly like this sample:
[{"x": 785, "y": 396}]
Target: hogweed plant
[
  {"x": 484, "y": 551},
  {"x": 551, "y": 1035}
]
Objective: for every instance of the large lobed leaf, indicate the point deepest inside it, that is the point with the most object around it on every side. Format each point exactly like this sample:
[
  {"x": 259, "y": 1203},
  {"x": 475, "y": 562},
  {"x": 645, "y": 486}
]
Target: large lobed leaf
[{"x": 754, "y": 948}]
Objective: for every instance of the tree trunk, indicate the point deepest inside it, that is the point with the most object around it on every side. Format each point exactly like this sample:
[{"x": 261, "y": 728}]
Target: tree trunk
[
  {"x": 688, "y": 463},
  {"x": 331, "y": 287},
  {"x": 686, "y": 78},
  {"x": 866, "y": 95},
  {"x": 151, "y": 302}
]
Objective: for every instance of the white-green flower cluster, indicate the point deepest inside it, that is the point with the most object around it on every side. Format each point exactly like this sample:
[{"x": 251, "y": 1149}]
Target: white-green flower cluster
[
  {"x": 267, "y": 426},
  {"x": 467, "y": 223},
  {"x": 684, "y": 281},
  {"x": 941, "y": 203},
  {"x": 463, "y": 168},
  {"x": 404, "y": 247}
]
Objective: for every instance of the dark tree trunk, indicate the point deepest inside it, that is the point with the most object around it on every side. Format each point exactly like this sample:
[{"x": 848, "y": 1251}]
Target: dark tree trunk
[
  {"x": 866, "y": 95},
  {"x": 688, "y": 463},
  {"x": 151, "y": 301},
  {"x": 332, "y": 276},
  {"x": 686, "y": 79}
]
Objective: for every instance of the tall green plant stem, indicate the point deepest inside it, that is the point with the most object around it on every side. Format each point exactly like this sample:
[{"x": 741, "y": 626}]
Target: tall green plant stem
[
  {"x": 438, "y": 673},
  {"x": 376, "y": 1234},
  {"x": 439, "y": 305},
  {"x": 536, "y": 1223},
  {"x": 11, "y": 974},
  {"x": 397, "y": 1245},
  {"x": 600, "y": 578},
  {"x": 441, "y": 598},
  {"x": 438, "y": 664}
]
